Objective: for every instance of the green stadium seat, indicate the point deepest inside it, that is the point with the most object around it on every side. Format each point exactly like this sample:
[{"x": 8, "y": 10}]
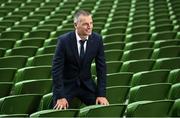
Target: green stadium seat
[
  {"x": 119, "y": 79},
  {"x": 7, "y": 74},
  {"x": 19, "y": 104},
  {"x": 166, "y": 52},
  {"x": 60, "y": 32},
  {"x": 114, "y": 45},
  {"x": 22, "y": 51},
  {"x": 13, "y": 17},
  {"x": 36, "y": 16},
  {"x": 14, "y": 115},
  {"x": 30, "y": 22},
  {"x": 159, "y": 108},
  {"x": 174, "y": 91},
  {"x": 41, "y": 33},
  {"x": 55, "y": 21},
  {"x": 7, "y": 23},
  {"x": 5, "y": 88},
  {"x": 7, "y": 43},
  {"x": 13, "y": 34},
  {"x": 113, "y": 55},
  {"x": 2, "y": 52},
  {"x": 114, "y": 30},
  {"x": 113, "y": 110},
  {"x": 166, "y": 35},
  {"x": 137, "y": 54},
  {"x": 99, "y": 19},
  {"x": 56, "y": 113},
  {"x": 150, "y": 77},
  {"x": 137, "y": 65},
  {"x": 97, "y": 29},
  {"x": 113, "y": 38},
  {"x": 174, "y": 76},
  {"x": 175, "y": 110},
  {"x": 167, "y": 63},
  {"x": 46, "y": 50},
  {"x": 157, "y": 91},
  {"x": 50, "y": 27},
  {"x": 163, "y": 43},
  {"x": 69, "y": 26},
  {"x": 13, "y": 62},
  {"x": 117, "y": 94},
  {"x": 40, "y": 60},
  {"x": 143, "y": 36},
  {"x": 120, "y": 18},
  {"x": 24, "y": 28},
  {"x": 42, "y": 87},
  {"x": 138, "y": 45},
  {"x": 162, "y": 28},
  {"x": 118, "y": 23},
  {"x": 138, "y": 29},
  {"x": 50, "y": 42},
  {"x": 138, "y": 23},
  {"x": 38, "y": 42},
  {"x": 33, "y": 73},
  {"x": 21, "y": 12},
  {"x": 112, "y": 67},
  {"x": 46, "y": 102},
  {"x": 161, "y": 21},
  {"x": 2, "y": 28}
]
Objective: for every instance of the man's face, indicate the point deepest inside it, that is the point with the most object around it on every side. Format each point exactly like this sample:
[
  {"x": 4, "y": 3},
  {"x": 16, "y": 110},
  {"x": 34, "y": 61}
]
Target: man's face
[{"x": 84, "y": 25}]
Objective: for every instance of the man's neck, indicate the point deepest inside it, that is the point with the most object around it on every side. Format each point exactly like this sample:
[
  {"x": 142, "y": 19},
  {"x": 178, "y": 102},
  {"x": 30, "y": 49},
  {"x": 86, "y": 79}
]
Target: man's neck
[{"x": 82, "y": 36}]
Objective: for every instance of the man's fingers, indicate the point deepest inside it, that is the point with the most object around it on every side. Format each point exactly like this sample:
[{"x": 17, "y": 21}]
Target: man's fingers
[
  {"x": 56, "y": 106},
  {"x": 67, "y": 105},
  {"x": 96, "y": 102},
  {"x": 61, "y": 107}
]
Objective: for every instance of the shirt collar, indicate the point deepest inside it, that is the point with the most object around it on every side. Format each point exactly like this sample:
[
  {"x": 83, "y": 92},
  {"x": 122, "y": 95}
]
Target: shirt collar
[{"x": 78, "y": 37}]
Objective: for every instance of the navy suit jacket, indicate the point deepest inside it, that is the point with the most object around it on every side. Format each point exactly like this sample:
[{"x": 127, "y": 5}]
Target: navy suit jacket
[{"x": 67, "y": 70}]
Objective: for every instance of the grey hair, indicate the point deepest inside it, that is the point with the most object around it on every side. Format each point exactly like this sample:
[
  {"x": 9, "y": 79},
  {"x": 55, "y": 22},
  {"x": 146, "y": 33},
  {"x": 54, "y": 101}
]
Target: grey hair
[{"x": 80, "y": 12}]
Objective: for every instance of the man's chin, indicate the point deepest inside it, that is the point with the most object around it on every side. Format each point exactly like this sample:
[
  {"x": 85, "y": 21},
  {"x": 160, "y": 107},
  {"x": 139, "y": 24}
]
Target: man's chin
[{"x": 89, "y": 33}]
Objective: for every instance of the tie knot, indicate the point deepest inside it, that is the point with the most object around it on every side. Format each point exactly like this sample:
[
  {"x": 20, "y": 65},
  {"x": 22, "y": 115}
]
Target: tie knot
[{"x": 82, "y": 42}]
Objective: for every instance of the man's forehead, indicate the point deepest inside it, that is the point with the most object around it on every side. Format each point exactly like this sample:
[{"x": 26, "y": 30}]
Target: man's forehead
[{"x": 85, "y": 17}]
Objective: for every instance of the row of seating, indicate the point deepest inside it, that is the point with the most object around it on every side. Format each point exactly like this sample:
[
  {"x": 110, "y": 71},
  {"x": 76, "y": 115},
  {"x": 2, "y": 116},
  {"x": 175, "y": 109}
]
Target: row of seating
[
  {"x": 141, "y": 40},
  {"x": 114, "y": 33},
  {"x": 144, "y": 77},
  {"x": 147, "y": 108},
  {"x": 155, "y": 84},
  {"x": 134, "y": 11},
  {"x": 45, "y": 58}
]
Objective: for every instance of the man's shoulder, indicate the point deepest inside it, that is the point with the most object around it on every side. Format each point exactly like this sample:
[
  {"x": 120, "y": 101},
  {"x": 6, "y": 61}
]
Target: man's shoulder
[
  {"x": 96, "y": 36},
  {"x": 66, "y": 35}
]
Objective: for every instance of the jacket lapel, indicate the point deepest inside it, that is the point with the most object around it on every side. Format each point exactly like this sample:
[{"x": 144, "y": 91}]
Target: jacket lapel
[
  {"x": 88, "y": 48},
  {"x": 74, "y": 47}
]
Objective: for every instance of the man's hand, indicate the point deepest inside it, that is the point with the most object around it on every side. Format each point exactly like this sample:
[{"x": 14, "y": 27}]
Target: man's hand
[
  {"x": 61, "y": 104},
  {"x": 102, "y": 101}
]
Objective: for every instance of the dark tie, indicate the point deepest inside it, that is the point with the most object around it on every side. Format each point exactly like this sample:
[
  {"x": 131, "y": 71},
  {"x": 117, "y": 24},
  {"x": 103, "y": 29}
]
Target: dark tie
[{"x": 82, "y": 49}]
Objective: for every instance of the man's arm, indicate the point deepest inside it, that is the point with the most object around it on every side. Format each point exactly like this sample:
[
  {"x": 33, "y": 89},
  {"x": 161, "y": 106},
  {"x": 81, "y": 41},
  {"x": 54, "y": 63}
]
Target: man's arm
[
  {"x": 101, "y": 75},
  {"x": 101, "y": 70},
  {"x": 57, "y": 71}
]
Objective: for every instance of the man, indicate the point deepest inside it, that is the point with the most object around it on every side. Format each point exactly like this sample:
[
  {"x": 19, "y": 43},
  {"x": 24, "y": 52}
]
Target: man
[{"x": 71, "y": 69}]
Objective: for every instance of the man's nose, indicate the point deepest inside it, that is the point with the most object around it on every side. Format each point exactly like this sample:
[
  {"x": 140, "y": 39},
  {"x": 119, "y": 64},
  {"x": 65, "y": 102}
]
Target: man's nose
[{"x": 89, "y": 25}]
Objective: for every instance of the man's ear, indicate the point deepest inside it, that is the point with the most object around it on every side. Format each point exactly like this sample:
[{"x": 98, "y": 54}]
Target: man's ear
[{"x": 75, "y": 25}]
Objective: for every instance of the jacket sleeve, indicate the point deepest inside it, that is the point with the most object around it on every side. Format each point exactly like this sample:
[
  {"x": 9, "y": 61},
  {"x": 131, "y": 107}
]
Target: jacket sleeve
[
  {"x": 101, "y": 70},
  {"x": 57, "y": 70}
]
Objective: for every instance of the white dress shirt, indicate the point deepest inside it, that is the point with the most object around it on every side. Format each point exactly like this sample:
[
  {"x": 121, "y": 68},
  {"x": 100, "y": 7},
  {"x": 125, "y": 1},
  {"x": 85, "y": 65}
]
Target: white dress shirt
[{"x": 78, "y": 43}]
